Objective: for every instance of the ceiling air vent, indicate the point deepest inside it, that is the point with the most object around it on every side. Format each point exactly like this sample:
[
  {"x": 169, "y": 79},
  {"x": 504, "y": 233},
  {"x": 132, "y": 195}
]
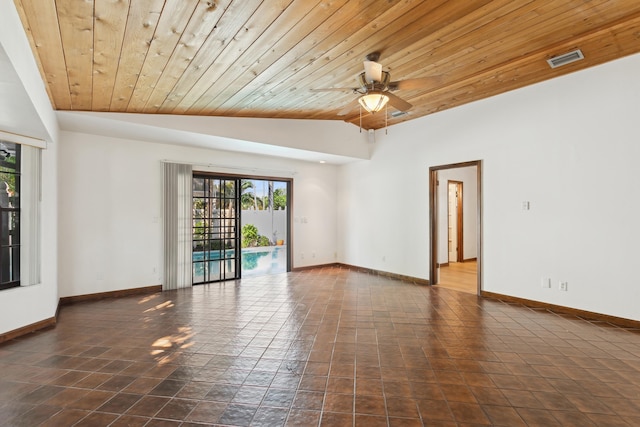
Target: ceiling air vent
[
  {"x": 566, "y": 58},
  {"x": 398, "y": 114}
]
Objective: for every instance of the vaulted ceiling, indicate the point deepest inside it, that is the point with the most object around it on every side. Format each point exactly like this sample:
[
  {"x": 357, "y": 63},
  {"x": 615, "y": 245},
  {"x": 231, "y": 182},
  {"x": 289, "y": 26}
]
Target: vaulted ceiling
[{"x": 255, "y": 58}]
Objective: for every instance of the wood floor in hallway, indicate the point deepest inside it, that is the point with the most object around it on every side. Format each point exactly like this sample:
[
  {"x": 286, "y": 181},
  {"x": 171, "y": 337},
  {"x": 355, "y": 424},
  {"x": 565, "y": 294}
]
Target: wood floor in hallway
[{"x": 460, "y": 276}]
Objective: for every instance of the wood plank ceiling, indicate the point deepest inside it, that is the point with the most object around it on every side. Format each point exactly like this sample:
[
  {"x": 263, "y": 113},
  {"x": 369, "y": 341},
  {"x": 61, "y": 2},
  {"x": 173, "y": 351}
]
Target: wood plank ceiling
[{"x": 255, "y": 58}]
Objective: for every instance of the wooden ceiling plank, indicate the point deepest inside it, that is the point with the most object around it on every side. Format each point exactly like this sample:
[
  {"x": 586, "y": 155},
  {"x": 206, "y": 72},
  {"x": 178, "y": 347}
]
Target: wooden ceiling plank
[
  {"x": 520, "y": 44},
  {"x": 567, "y": 25},
  {"x": 339, "y": 64},
  {"x": 601, "y": 45},
  {"x": 141, "y": 24},
  {"x": 459, "y": 44},
  {"x": 43, "y": 27},
  {"x": 110, "y": 20},
  {"x": 224, "y": 34},
  {"x": 545, "y": 65},
  {"x": 76, "y": 30},
  {"x": 442, "y": 55},
  {"x": 426, "y": 34},
  {"x": 411, "y": 23},
  {"x": 258, "y": 58},
  {"x": 267, "y": 82},
  {"x": 497, "y": 24},
  {"x": 346, "y": 61},
  {"x": 311, "y": 61},
  {"x": 409, "y": 61},
  {"x": 439, "y": 37},
  {"x": 476, "y": 59},
  {"x": 264, "y": 28},
  {"x": 25, "y": 23},
  {"x": 201, "y": 25},
  {"x": 459, "y": 52},
  {"x": 261, "y": 69},
  {"x": 275, "y": 63},
  {"x": 173, "y": 21}
]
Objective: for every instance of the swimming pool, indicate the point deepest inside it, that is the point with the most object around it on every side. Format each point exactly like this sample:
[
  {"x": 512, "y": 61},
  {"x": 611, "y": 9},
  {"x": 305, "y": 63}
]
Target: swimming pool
[{"x": 258, "y": 261}]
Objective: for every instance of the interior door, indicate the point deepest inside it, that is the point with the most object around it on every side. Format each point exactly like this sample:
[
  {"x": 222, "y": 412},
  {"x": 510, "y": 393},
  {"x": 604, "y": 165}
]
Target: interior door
[
  {"x": 455, "y": 221},
  {"x": 452, "y": 221}
]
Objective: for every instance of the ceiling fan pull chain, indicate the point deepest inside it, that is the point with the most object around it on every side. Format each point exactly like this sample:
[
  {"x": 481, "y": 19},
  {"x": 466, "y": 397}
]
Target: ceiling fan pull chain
[
  {"x": 386, "y": 119},
  {"x": 360, "y": 118}
]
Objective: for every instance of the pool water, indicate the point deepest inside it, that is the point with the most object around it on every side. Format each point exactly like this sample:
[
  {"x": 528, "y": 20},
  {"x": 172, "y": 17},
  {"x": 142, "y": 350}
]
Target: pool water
[
  {"x": 264, "y": 260},
  {"x": 258, "y": 261}
]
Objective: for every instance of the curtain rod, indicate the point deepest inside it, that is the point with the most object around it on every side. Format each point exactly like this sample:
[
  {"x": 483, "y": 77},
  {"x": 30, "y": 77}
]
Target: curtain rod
[{"x": 237, "y": 168}]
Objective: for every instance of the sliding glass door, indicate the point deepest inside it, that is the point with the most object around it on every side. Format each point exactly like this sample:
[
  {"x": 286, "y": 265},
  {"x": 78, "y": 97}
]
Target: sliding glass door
[
  {"x": 240, "y": 227},
  {"x": 216, "y": 218},
  {"x": 265, "y": 226}
]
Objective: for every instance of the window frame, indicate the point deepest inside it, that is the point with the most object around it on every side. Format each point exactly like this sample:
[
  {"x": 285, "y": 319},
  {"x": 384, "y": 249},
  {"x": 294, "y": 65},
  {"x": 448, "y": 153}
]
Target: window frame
[{"x": 14, "y": 238}]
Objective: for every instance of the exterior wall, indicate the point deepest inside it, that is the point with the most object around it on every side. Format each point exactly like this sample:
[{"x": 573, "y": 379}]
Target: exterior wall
[{"x": 267, "y": 223}]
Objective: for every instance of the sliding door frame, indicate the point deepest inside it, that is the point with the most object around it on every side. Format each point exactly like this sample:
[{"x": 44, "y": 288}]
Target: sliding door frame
[{"x": 239, "y": 178}]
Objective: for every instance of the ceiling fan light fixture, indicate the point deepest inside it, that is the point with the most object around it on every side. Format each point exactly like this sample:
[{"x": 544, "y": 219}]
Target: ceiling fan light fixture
[{"x": 373, "y": 101}]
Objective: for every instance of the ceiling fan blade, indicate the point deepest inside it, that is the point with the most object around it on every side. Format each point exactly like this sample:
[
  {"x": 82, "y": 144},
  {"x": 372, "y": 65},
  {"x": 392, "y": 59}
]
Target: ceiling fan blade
[
  {"x": 419, "y": 83},
  {"x": 398, "y": 103},
  {"x": 348, "y": 108},
  {"x": 334, "y": 89},
  {"x": 372, "y": 71}
]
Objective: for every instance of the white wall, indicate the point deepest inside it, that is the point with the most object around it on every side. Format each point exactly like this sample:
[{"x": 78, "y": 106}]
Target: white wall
[
  {"x": 569, "y": 146},
  {"x": 27, "y": 305},
  {"x": 110, "y": 208},
  {"x": 468, "y": 176},
  {"x": 31, "y": 115}
]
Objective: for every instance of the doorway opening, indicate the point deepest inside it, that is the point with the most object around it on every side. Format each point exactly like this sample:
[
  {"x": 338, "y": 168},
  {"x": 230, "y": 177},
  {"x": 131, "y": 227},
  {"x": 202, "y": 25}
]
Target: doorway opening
[
  {"x": 455, "y": 219},
  {"x": 455, "y": 226},
  {"x": 240, "y": 227}
]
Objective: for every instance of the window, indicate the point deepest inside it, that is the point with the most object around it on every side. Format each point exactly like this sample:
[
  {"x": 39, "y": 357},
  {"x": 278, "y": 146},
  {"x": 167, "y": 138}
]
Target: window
[{"x": 10, "y": 166}]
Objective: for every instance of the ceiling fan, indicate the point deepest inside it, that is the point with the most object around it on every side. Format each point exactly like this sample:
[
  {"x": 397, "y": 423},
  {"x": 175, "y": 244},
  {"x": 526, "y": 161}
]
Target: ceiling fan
[{"x": 375, "y": 87}]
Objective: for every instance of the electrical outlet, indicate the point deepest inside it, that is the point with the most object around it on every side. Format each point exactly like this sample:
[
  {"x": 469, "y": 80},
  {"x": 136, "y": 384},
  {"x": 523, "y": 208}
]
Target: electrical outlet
[{"x": 564, "y": 286}]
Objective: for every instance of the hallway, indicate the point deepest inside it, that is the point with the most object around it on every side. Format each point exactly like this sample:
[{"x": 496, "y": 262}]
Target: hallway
[{"x": 329, "y": 347}]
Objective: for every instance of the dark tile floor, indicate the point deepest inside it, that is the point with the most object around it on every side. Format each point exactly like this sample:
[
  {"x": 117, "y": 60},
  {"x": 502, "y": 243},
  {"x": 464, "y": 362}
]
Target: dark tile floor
[{"x": 322, "y": 347}]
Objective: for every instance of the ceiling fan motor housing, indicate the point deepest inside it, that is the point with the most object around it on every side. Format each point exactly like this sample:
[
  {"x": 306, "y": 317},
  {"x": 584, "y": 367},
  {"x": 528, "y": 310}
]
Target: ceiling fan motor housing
[{"x": 381, "y": 85}]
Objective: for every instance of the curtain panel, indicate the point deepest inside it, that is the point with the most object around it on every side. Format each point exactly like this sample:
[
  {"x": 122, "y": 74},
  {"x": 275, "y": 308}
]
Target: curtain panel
[
  {"x": 177, "y": 221},
  {"x": 31, "y": 198}
]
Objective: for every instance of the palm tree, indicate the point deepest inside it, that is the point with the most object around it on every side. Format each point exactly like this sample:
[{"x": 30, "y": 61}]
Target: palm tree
[
  {"x": 247, "y": 197},
  {"x": 270, "y": 196},
  {"x": 280, "y": 198}
]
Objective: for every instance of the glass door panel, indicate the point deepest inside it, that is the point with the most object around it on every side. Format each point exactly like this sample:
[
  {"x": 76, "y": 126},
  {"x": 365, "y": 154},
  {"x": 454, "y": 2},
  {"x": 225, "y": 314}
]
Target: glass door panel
[
  {"x": 215, "y": 236},
  {"x": 265, "y": 227}
]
